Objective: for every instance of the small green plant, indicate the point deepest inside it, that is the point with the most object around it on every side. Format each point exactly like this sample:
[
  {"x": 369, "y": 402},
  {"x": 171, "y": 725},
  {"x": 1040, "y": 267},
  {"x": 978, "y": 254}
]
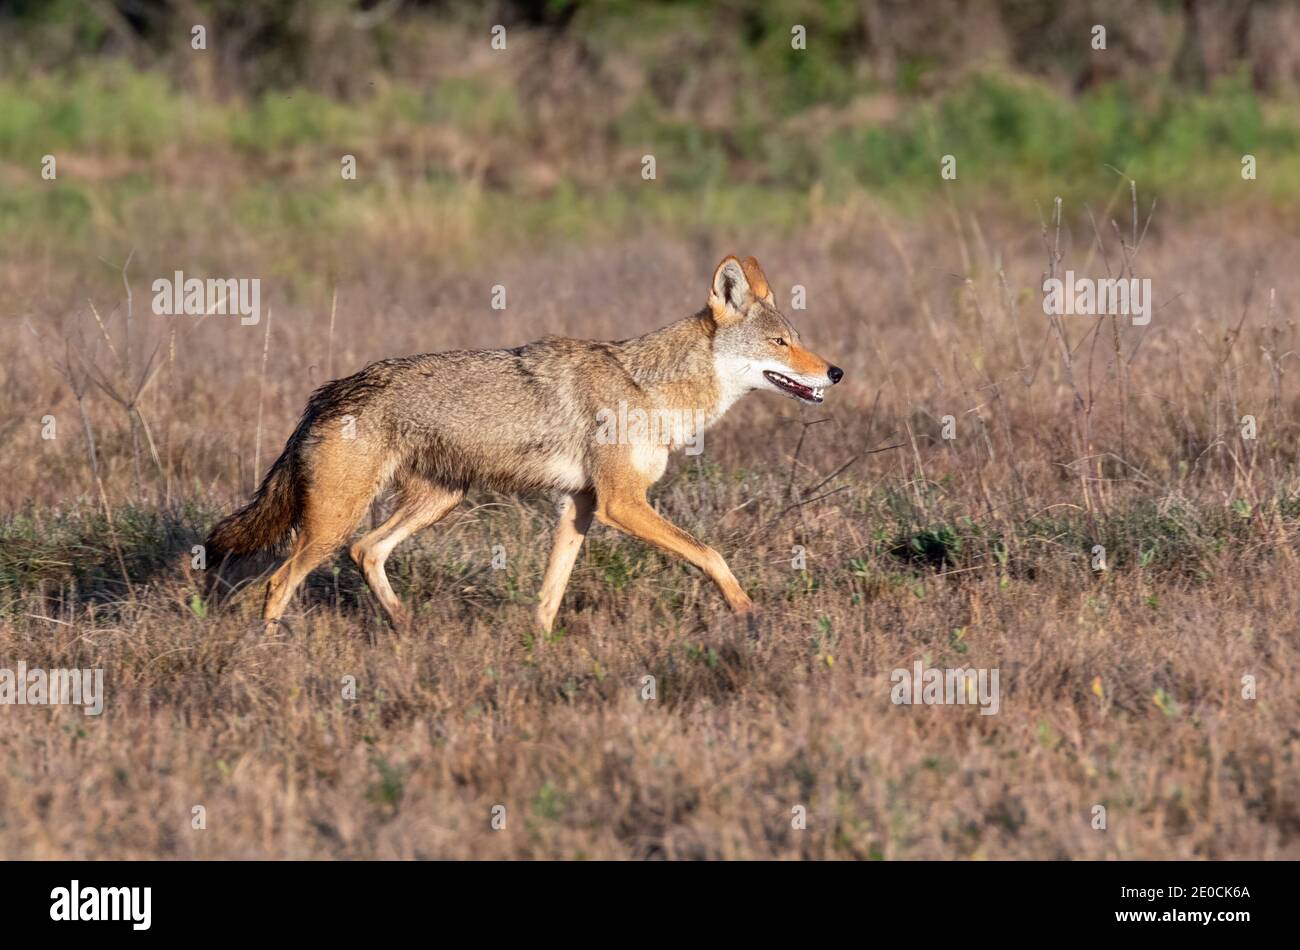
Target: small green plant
[
  {"x": 957, "y": 639},
  {"x": 388, "y": 790}
]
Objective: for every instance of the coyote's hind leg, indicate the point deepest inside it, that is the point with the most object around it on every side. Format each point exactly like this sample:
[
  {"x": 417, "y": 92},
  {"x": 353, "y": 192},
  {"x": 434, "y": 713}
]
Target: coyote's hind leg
[
  {"x": 344, "y": 477},
  {"x": 420, "y": 505},
  {"x": 324, "y": 529}
]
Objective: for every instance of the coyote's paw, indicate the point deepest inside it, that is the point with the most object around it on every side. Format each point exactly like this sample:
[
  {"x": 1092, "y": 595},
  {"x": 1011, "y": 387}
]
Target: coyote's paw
[
  {"x": 741, "y": 604},
  {"x": 276, "y": 628}
]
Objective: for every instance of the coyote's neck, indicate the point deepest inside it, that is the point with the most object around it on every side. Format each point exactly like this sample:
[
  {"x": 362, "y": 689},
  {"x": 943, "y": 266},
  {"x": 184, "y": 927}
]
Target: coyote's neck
[{"x": 675, "y": 366}]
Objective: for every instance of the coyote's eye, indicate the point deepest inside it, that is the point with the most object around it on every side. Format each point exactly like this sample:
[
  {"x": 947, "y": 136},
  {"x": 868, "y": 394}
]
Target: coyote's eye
[{"x": 779, "y": 341}]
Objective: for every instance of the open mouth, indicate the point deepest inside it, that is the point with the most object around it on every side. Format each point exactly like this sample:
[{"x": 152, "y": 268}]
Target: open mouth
[{"x": 798, "y": 390}]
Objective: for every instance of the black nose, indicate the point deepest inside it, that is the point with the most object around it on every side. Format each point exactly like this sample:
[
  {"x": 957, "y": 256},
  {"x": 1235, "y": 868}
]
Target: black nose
[{"x": 835, "y": 373}]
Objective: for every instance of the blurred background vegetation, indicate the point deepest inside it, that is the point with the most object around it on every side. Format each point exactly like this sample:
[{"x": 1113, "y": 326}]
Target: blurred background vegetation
[{"x": 544, "y": 140}]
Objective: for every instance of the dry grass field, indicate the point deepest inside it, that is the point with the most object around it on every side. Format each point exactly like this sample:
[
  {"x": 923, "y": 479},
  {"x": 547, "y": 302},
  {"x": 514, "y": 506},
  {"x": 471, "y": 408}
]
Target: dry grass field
[
  {"x": 1106, "y": 514},
  {"x": 1120, "y": 688}
]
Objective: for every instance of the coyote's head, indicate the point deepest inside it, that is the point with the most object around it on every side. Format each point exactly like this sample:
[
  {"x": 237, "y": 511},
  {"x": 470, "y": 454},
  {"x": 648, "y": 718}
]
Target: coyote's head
[{"x": 755, "y": 346}]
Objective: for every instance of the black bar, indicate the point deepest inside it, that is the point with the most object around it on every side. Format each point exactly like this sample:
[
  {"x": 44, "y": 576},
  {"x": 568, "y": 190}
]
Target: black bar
[{"x": 940, "y": 901}]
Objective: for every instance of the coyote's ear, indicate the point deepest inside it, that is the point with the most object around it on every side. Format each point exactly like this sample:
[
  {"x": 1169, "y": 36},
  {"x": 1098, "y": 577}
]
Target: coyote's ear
[
  {"x": 757, "y": 280},
  {"x": 731, "y": 291}
]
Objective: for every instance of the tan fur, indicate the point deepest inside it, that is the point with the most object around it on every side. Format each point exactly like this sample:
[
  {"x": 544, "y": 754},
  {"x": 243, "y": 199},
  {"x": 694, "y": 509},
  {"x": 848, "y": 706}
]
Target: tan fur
[
  {"x": 421, "y": 506},
  {"x": 757, "y": 279},
  {"x": 518, "y": 420},
  {"x": 621, "y": 503},
  {"x": 805, "y": 361},
  {"x": 575, "y": 520}
]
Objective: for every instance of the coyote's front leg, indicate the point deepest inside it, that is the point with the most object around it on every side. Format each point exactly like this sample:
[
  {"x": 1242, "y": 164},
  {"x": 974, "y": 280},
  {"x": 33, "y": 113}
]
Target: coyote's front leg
[
  {"x": 575, "y": 519},
  {"x": 630, "y": 512}
]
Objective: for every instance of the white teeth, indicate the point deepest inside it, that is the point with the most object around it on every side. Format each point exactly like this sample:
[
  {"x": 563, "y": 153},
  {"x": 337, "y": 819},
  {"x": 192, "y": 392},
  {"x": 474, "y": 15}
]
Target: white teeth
[{"x": 819, "y": 392}]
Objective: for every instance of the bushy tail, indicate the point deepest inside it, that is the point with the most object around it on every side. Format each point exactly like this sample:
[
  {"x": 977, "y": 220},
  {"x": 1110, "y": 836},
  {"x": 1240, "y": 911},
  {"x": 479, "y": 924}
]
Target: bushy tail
[
  {"x": 277, "y": 508},
  {"x": 266, "y": 521}
]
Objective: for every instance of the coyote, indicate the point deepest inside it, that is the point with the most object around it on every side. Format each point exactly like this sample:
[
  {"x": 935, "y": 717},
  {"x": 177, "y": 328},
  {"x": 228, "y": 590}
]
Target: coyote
[{"x": 517, "y": 420}]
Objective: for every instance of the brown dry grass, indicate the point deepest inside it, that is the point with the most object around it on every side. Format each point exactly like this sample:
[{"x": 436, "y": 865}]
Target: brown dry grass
[{"x": 473, "y": 711}]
